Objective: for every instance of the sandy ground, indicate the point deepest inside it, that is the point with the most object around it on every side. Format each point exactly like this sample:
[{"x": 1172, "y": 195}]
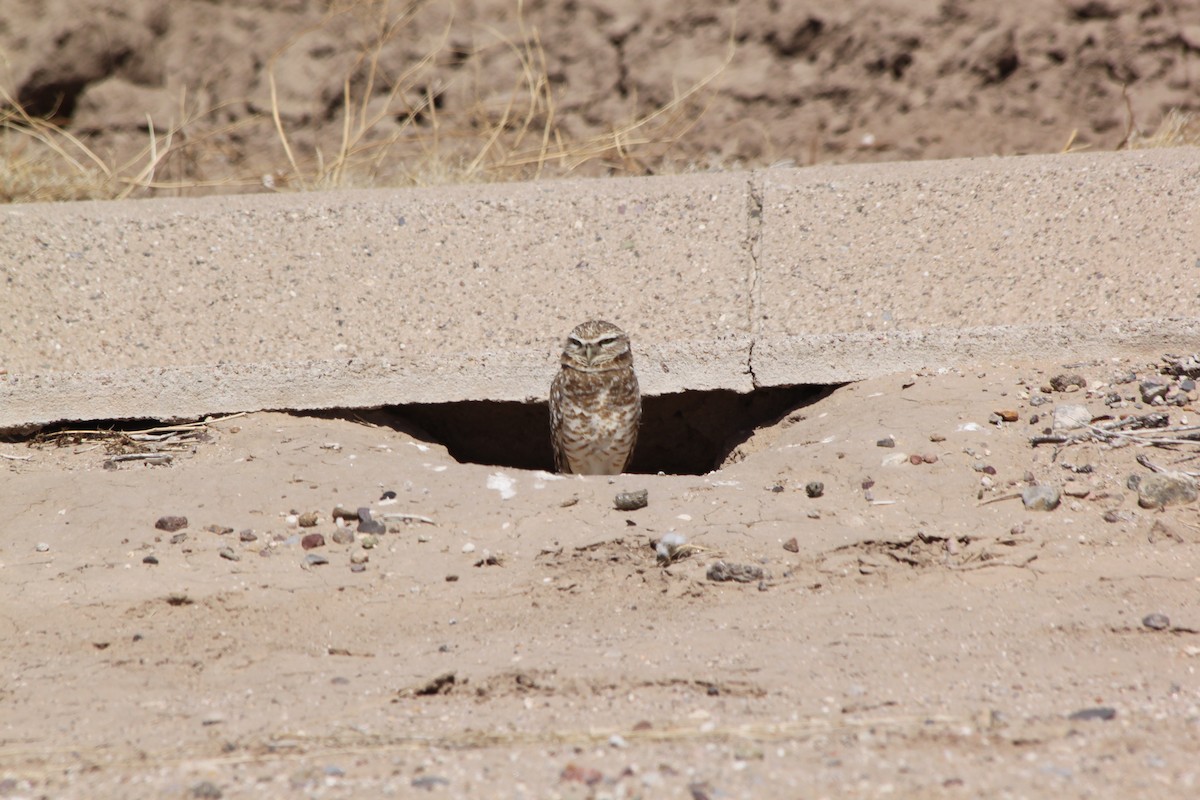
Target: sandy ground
[{"x": 907, "y": 638}]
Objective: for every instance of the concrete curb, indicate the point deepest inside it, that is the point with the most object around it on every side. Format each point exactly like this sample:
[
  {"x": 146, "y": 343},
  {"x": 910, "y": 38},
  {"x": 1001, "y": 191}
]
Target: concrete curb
[{"x": 170, "y": 309}]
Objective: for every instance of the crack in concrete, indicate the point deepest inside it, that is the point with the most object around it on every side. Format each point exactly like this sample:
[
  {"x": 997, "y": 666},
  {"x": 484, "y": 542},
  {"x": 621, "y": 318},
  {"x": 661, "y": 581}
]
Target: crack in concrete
[{"x": 754, "y": 233}]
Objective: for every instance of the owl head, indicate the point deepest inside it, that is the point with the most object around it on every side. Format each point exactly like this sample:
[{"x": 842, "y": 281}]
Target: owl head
[{"x": 596, "y": 346}]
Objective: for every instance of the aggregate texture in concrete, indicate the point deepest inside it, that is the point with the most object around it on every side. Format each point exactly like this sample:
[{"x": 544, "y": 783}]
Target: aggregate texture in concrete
[{"x": 180, "y": 308}]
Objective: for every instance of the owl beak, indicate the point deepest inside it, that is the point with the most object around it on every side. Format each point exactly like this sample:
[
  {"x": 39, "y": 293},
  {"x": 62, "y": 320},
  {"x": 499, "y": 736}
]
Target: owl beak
[{"x": 590, "y": 350}]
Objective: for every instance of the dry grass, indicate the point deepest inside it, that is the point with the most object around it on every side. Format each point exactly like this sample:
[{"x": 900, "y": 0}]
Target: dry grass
[
  {"x": 390, "y": 129},
  {"x": 1177, "y": 129},
  {"x": 41, "y": 161}
]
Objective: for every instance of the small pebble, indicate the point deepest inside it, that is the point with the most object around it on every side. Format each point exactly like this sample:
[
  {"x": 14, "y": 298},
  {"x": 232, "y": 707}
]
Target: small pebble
[
  {"x": 930, "y": 458},
  {"x": 358, "y": 567},
  {"x": 312, "y": 540},
  {"x": 150, "y": 560},
  {"x": 367, "y": 524},
  {"x": 791, "y": 545},
  {"x": 1156, "y": 622},
  {"x": 171, "y": 523},
  {"x": 451, "y": 578},
  {"x": 292, "y": 520},
  {"x": 814, "y": 488},
  {"x": 229, "y": 554},
  {"x": 887, "y": 441},
  {"x": 1070, "y": 417},
  {"x": 205, "y": 790},
  {"x": 632, "y": 501},
  {"x": 936, "y": 437},
  {"x": 915, "y": 459},
  {"x": 179, "y": 538},
  {"x": 1041, "y": 497},
  {"x": 315, "y": 559},
  {"x": 341, "y": 513},
  {"x": 359, "y": 557},
  {"x": 247, "y": 535},
  {"x": 308, "y": 519},
  {"x": 1103, "y": 713},
  {"x": 369, "y": 542},
  {"x": 742, "y": 573},
  {"x": 219, "y": 530},
  {"x": 1007, "y": 415},
  {"x": 1152, "y": 390},
  {"x": 42, "y": 547},
  {"x": 1063, "y": 382},
  {"x": 469, "y": 547},
  {"x": 429, "y": 782},
  {"x": 343, "y": 536},
  {"x": 388, "y": 495},
  {"x": 1162, "y": 489}
]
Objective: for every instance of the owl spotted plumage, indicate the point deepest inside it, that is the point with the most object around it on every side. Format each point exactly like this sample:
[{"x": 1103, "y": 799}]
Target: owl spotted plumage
[{"x": 595, "y": 405}]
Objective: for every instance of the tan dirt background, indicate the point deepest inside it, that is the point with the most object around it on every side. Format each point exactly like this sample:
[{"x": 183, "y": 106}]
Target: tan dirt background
[
  {"x": 449, "y": 90},
  {"x": 918, "y": 640}
]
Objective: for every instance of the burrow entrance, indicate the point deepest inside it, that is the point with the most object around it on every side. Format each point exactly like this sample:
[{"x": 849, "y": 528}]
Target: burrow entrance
[{"x": 689, "y": 433}]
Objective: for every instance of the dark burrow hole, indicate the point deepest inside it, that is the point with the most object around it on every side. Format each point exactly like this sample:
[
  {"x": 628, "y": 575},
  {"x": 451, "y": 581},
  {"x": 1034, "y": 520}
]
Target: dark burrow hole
[{"x": 689, "y": 433}]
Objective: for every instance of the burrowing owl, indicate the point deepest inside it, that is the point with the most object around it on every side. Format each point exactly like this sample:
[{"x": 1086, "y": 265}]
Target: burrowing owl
[{"x": 595, "y": 405}]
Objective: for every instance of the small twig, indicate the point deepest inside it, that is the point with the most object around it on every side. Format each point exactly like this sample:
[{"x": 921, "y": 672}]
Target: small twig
[
  {"x": 1053, "y": 439},
  {"x": 1150, "y": 465},
  {"x": 16, "y": 458},
  {"x": 1190, "y": 434},
  {"x": 141, "y": 457},
  {"x": 402, "y": 517},
  {"x": 1012, "y": 496}
]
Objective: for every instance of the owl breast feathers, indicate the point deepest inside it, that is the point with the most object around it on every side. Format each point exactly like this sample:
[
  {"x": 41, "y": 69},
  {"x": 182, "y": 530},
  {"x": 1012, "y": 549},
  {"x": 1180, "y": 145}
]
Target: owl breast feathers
[{"x": 595, "y": 404}]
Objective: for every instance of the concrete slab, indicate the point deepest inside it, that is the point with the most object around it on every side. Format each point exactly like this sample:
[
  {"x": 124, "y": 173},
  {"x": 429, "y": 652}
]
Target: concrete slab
[
  {"x": 370, "y": 274},
  {"x": 1037, "y": 240},
  {"x": 180, "y": 308}
]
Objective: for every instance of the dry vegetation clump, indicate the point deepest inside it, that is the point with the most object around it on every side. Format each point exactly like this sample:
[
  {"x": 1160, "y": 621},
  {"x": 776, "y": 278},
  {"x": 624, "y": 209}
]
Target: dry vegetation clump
[{"x": 1177, "y": 129}]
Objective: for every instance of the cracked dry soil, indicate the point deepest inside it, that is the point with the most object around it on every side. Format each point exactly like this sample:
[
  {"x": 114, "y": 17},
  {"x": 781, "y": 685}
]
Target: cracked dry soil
[{"x": 914, "y": 639}]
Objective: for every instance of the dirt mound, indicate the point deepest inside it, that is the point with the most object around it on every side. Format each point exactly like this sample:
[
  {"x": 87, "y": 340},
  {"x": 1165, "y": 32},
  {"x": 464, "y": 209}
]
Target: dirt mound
[{"x": 270, "y": 93}]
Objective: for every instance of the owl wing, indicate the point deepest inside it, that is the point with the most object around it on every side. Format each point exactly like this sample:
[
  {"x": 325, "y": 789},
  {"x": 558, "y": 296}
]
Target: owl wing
[{"x": 556, "y": 425}]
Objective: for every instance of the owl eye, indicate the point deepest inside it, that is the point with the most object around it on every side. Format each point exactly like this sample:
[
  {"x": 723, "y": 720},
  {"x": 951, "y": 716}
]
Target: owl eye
[
  {"x": 573, "y": 342},
  {"x": 605, "y": 341}
]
